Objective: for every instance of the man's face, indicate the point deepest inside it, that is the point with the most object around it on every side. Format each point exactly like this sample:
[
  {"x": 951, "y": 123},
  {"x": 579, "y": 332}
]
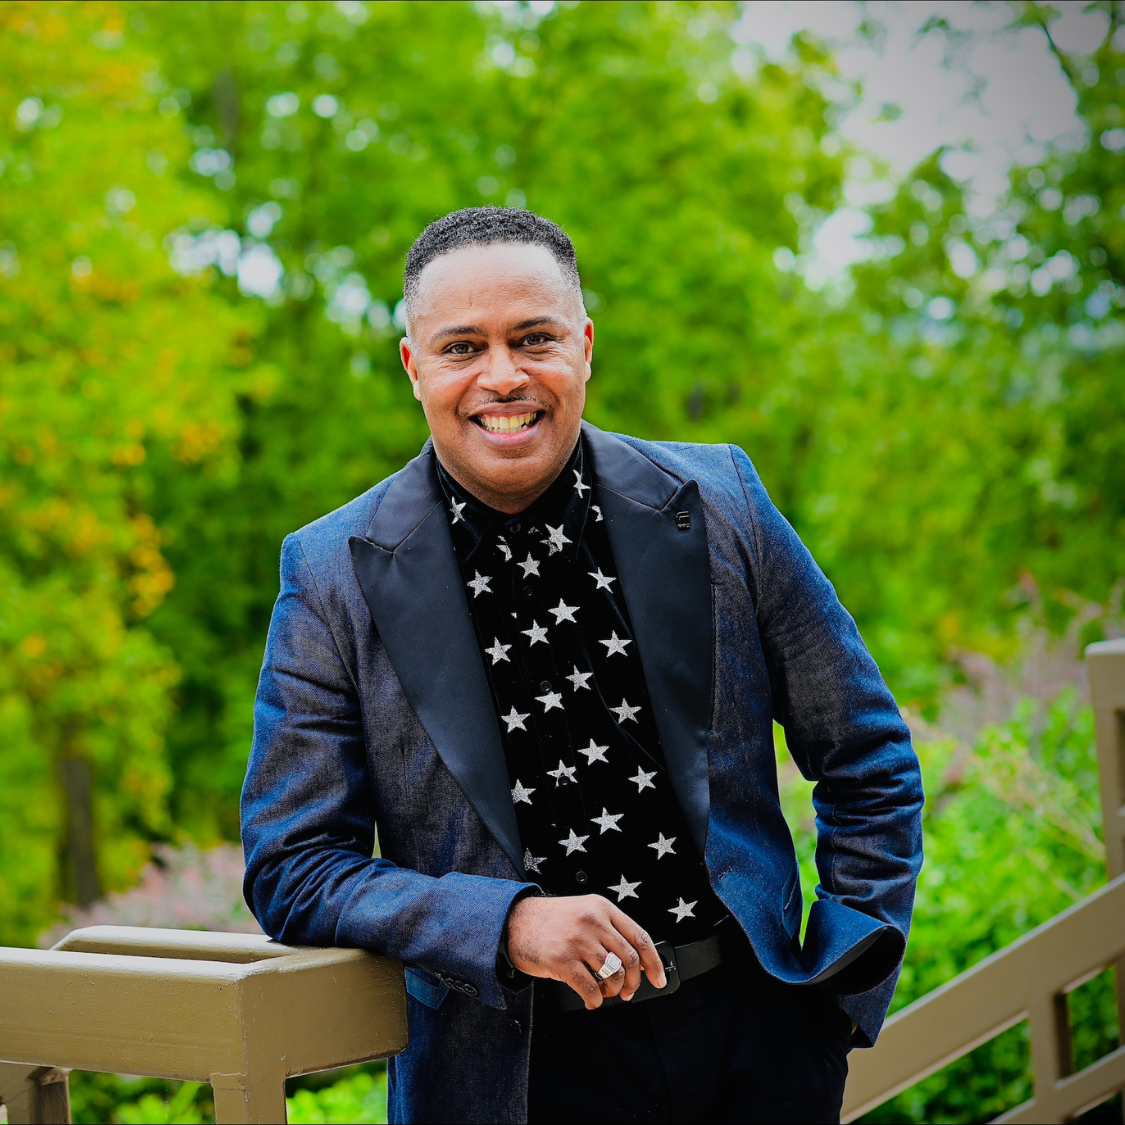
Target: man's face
[{"x": 498, "y": 353}]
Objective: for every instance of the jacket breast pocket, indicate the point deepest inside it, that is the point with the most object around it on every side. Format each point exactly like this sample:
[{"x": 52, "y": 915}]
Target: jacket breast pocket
[{"x": 426, "y": 988}]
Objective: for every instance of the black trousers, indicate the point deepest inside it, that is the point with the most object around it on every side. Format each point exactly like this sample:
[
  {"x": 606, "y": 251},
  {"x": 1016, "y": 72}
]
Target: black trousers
[{"x": 733, "y": 1045}]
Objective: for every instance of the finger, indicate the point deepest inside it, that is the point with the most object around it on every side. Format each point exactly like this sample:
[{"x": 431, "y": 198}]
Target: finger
[
  {"x": 625, "y": 953},
  {"x": 627, "y": 980},
  {"x": 602, "y": 937},
  {"x": 577, "y": 975},
  {"x": 646, "y": 949}
]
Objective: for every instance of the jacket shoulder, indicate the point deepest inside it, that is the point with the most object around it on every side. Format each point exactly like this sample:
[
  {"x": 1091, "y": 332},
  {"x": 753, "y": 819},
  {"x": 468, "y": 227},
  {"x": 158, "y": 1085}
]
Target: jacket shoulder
[
  {"x": 324, "y": 541},
  {"x": 714, "y": 467}
]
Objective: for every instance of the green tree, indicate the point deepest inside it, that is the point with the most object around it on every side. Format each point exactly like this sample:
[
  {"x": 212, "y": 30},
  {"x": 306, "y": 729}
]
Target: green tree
[
  {"x": 982, "y": 434},
  {"x": 331, "y": 133},
  {"x": 102, "y": 363}
]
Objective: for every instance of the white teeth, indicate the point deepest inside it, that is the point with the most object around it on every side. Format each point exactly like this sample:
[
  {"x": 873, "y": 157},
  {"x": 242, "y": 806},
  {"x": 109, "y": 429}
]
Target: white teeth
[{"x": 506, "y": 423}]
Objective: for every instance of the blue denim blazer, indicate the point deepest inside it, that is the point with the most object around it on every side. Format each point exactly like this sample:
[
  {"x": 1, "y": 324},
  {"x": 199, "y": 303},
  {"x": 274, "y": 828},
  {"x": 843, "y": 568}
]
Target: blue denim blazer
[{"x": 373, "y": 714}]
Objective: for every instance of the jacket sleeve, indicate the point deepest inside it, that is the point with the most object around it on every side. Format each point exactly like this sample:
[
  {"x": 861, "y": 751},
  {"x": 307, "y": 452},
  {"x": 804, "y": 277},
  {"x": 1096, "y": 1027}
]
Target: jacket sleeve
[
  {"x": 845, "y": 733},
  {"x": 308, "y": 829}
]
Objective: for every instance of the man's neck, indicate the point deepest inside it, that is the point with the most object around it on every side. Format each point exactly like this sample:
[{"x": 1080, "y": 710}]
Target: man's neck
[{"x": 507, "y": 502}]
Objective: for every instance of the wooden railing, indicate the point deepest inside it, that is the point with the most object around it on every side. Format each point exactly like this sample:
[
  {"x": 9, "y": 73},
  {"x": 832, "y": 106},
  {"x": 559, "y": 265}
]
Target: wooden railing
[
  {"x": 236, "y": 1010},
  {"x": 1030, "y": 978}
]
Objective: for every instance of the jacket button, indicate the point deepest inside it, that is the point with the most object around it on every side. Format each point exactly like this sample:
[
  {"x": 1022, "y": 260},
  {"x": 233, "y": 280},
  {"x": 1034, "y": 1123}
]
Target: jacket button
[{"x": 515, "y": 1028}]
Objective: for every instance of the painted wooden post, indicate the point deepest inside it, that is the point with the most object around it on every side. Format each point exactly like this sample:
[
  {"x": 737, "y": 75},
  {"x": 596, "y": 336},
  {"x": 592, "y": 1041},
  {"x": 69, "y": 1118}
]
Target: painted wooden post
[{"x": 1106, "y": 663}]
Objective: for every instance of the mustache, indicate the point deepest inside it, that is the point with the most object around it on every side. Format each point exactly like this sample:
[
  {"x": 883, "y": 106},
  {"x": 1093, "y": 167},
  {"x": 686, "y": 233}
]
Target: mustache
[{"x": 507, "y": 400}]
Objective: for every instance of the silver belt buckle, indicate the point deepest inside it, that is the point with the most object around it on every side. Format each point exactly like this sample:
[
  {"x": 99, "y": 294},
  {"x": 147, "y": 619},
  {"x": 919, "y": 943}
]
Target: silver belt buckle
[{"x": 648, "y": 991}]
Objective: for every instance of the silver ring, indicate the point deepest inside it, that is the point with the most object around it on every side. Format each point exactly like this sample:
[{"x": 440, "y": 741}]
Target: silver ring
[{"x": 610, "y": 967}]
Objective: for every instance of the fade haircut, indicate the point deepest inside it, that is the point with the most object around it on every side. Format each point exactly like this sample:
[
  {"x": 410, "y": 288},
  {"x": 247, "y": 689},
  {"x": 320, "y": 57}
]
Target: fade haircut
[{"x": 481, "y": 226}]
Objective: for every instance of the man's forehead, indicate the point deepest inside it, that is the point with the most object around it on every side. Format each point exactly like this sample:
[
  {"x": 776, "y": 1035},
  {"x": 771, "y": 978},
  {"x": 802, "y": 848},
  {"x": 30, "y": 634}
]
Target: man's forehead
[{"x": 495, "y": 266}]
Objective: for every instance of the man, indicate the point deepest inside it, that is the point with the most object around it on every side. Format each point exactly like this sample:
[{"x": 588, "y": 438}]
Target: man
[{"x": 546, "y": 661}]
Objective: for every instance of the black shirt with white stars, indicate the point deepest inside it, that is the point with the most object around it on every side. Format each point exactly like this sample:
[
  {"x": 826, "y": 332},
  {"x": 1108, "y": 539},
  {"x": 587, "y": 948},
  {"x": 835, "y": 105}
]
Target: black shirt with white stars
[{"x": 595, "y": 808}]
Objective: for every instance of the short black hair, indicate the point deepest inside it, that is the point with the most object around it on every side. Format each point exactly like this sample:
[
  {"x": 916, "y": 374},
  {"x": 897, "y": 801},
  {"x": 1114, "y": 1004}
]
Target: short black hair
[{"x": 480, "y": 226}]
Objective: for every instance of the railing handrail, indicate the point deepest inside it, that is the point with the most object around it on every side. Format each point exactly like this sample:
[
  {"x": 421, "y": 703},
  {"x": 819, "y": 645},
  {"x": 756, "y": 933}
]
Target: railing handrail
[
  {"x": 216, "y": 1008},
  {"x": 195, "y": 945}
]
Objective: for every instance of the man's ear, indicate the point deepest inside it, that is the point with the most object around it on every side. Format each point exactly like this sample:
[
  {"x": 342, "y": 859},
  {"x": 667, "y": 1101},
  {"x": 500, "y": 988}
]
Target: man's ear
[
  {"x": 588, "y": 342},
  {"x": 406, "y": 354}
]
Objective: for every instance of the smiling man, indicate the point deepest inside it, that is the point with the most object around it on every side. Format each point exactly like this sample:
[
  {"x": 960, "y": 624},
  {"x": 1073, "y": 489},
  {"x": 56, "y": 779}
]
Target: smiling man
[{"x": 545, "y": 663}]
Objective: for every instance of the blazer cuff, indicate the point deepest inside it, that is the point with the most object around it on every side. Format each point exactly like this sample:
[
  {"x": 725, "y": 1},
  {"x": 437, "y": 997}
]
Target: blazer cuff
[
  {"x": 849, "y": 951},
  {"x": 869, "y": 1010},
  {"x": 507, "y": 974}
]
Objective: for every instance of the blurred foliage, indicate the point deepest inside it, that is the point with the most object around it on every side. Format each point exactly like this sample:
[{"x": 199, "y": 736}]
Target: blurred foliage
[
  {"x": 351, "y": 127},
  {"x": 355, "y": 1094},
  {"x": 103, "y": 371},
  {"x": 183, "y": 888},
  {"x": 359, "y": 1096},
  {"x": 126, "y": 1100},
  {"x": 203, "y": 213}
]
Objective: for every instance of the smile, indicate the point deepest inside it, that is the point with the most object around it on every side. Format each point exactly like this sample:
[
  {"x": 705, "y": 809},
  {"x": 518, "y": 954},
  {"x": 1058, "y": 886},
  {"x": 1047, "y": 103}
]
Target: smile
[{"x": 507, "y": 423}]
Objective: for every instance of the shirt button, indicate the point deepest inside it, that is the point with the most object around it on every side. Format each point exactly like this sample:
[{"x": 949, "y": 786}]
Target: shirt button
[
  {"x": 515, "y": 1028},
  {"x": 516, "y": 527},
  {"x": 528, "y": 591},
  {"x": 581, "y": 878},
  {"x": 545, "y": 685}
]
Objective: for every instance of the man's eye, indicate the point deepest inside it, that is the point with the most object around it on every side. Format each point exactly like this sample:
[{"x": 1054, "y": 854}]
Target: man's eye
[
  {"x": 460, "y": 348},
  {"x": 535, "y": 339}
]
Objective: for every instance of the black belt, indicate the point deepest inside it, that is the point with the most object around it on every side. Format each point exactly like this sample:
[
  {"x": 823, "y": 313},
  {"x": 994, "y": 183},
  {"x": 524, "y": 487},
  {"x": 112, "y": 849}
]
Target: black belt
[{"x": 681, "y": 962}]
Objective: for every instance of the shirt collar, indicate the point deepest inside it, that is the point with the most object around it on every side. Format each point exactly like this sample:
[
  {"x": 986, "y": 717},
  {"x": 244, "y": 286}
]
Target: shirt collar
[{"x": 559, "y": 515}]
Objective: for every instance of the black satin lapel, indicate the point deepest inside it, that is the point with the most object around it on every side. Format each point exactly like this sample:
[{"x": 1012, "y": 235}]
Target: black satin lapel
[
  {"x": 413, "y": 589},
  {"x": 665, "y": 575}
]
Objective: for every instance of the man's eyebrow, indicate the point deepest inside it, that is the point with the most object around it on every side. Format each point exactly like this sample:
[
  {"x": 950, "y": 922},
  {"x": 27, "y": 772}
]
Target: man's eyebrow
[
  {"x": 477, "y": 330},
  {"x": 458, "y": 330},
  {"x": 554, "y": 321}
]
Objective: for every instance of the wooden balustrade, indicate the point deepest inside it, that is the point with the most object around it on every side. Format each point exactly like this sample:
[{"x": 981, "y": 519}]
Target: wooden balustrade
[
  {"x": 1030, "y": 978},
  {"x": 236, "y": 1010}
]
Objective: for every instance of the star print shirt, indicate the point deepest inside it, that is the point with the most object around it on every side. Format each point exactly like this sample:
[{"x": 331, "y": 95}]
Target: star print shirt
[{"x": 595, "y": 807}]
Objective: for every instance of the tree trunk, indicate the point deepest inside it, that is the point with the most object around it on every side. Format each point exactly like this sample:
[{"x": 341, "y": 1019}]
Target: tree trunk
[{"x": 80, "y": 872}]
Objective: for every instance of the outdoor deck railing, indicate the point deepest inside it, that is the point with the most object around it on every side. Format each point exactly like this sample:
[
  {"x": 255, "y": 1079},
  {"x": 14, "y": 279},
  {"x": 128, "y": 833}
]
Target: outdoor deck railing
[
  {"x": 245, "y": 1013},
  {"x": 235, "y": 1010},
  {"x": 1030, "y": 978}
]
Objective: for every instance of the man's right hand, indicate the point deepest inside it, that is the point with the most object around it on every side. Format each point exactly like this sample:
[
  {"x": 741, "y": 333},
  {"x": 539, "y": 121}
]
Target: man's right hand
[{"x": 567, "y": 939}]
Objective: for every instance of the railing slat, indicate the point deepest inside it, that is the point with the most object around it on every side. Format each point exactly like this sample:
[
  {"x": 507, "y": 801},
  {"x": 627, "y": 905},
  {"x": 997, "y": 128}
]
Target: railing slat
[{"x": 1072, "y": 1095}]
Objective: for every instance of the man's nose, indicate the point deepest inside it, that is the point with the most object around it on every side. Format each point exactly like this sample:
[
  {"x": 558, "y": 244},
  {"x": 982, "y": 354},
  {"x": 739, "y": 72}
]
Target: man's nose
[{"x": 501, "y": 373}]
